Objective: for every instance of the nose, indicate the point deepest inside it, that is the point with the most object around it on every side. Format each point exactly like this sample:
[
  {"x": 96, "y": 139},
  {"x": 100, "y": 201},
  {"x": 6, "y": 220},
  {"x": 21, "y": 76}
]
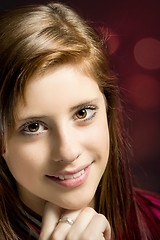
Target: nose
[{"x": 65, "y": 147}]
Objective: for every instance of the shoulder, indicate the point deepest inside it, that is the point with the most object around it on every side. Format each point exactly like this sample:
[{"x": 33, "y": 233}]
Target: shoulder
[{"x": 149, "y": 203}]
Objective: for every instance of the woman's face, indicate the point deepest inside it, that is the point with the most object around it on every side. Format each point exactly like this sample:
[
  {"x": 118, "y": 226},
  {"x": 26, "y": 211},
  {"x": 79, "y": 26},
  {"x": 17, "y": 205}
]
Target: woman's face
[{"x": 59, "y": 148}]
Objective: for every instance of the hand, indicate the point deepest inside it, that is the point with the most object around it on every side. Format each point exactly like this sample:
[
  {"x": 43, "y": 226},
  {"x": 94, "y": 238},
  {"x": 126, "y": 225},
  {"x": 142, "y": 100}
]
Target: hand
[{"x": 88, "y": 225}]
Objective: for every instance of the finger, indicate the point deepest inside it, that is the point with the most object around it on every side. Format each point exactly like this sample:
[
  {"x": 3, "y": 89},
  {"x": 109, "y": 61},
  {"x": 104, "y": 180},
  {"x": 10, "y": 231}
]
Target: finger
[
  {"x": 90, "y": 225},
  {"x": 81, "y": 223},
  {"x": 81, "y": 220},
  {"x": 63, "y": 227},
  {"x": 98, "y": 228},
  {"x": 49, "y": 220}
]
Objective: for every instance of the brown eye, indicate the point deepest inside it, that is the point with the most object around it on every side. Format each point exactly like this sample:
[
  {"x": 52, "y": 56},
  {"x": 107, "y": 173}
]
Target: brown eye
[
  {"x": 81, "y": 114},
  {"x": 33, "y": 127},
  {"x": 85, "y": 114}
]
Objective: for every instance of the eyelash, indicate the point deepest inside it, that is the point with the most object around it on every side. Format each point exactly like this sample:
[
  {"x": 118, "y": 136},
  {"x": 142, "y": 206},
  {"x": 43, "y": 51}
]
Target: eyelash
[
  {"x": 27, "y": 124},
  {"x": 91, "y": 109},
  {"x": 92, "y": 114}
]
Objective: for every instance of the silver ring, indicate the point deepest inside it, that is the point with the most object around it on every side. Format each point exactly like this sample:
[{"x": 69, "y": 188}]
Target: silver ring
[{"x": 66, "y": 220}]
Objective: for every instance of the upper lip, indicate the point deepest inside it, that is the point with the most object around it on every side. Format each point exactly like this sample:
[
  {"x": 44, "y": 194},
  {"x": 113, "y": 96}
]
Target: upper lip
[{"x": 69, "y": 172}]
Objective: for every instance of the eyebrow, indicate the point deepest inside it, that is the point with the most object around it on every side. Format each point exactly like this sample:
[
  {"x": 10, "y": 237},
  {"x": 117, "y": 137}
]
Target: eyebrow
[
  {"x": 83, "y": 104},
  {"x": 31, "y": 118},
  {"x": 74, "y": 108}
]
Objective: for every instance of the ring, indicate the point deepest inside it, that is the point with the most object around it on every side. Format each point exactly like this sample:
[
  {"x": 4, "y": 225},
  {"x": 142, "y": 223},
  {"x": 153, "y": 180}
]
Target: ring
[{"x": 66, "y": 220}]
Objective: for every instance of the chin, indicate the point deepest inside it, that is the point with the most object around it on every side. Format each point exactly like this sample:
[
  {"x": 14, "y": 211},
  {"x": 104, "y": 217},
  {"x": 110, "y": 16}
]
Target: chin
[{"x": 77, "y": 203}]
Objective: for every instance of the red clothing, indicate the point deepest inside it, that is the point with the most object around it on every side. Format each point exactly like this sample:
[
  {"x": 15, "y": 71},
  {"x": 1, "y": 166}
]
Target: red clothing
[
  {"x": 155, "y": 203},
  {"x": 150, "y": 202}
]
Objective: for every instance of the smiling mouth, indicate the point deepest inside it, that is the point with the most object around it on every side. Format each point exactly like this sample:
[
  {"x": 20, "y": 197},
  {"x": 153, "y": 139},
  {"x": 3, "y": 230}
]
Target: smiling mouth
[
  {"x": 71, "y": 176},
  {"x": 71, "y": 179}
]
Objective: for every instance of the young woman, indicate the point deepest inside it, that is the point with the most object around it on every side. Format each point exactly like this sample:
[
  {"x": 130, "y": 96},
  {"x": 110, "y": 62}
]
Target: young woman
[{"x": 63, "y": 170}]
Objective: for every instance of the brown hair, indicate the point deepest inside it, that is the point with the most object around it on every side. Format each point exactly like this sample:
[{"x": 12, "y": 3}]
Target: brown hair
[{"x": 32, "y": 39}]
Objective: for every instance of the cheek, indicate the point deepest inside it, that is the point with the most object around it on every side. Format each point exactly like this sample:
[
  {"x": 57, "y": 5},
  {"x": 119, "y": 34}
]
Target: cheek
[
  {"x": 24, "y": 161},
  {"x": 97, "y": 139},
  {"x": 102, "y": 142}
]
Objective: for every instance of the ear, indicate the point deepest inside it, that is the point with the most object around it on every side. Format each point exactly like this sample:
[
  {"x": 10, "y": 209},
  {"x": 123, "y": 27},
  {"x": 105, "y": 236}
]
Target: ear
[
  {"x": 4, "y": 152},
  {"x": 4, "y": 147},
  {"x": 4, "y": 156}
]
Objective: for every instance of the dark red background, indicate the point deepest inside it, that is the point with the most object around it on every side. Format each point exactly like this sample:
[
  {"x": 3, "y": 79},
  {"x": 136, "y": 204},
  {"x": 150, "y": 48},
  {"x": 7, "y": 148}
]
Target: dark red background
[{"x": 134, "y": 29}]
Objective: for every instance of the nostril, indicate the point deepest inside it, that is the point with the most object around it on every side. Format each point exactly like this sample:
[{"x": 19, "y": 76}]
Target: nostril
[
  {"x": 71, "y": 159},
  {"x": 68, "y": 156},
  {"x": 77, "y": 156}
]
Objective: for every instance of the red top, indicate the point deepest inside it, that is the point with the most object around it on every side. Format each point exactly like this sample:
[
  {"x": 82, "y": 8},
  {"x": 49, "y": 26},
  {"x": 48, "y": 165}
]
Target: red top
[{"x": 150, "y": 202}]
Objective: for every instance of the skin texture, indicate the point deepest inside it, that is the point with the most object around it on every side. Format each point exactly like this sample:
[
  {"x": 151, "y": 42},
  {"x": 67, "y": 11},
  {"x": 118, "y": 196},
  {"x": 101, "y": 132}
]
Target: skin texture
[{"x": 61, "y": 126}]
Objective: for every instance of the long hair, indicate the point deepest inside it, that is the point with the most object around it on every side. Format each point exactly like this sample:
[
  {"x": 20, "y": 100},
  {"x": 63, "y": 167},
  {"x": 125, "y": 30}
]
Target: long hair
[{"x": 32, "y": 40}]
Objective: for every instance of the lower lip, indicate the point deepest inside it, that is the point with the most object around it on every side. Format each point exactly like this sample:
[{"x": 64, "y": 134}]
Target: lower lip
[{"x": 73, "y": 182}]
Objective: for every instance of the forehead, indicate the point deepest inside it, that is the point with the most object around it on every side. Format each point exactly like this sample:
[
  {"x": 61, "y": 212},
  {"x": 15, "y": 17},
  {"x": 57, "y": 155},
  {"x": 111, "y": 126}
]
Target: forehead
[
  {"x": 65, "y": 86},
  {"x": 62, "y": 78}
]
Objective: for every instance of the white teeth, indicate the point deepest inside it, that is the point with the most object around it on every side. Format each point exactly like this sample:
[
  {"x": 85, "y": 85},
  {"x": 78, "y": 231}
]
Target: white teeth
[
  {"x": 79, "y": 173},
  {"x": 61, "y": 177},
  {"x": 68, "y": 176},
  {"x": 71, "y": 176}
]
